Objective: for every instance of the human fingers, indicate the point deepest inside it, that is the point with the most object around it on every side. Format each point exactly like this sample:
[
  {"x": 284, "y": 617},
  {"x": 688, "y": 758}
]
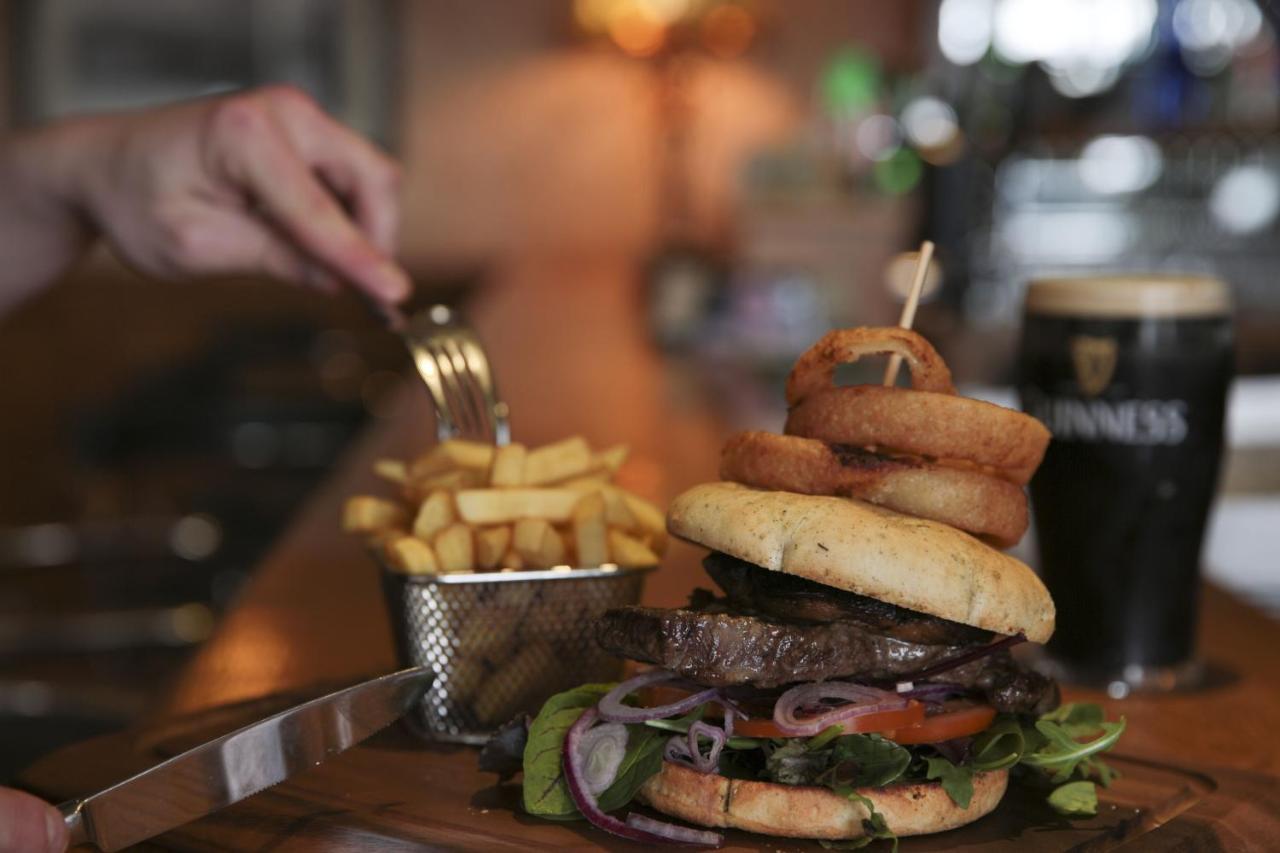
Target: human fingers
[
  {"x": 353, "y": 166},
  {"x": 247, "y": 146},
  {"x": 212, "y": 240},
  {"x": 29, "y": 825}
]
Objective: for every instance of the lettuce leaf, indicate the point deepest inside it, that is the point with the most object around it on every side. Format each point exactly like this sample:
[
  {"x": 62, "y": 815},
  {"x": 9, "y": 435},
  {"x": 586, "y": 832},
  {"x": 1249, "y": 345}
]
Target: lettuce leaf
[
  {"x": 1001, "y": 746},
  {"x": 956, "y": 781},
  {"x": 1075, "y": 798},
  {"x": 545, "y": 791},
  {"x": 868, "y": 761}
]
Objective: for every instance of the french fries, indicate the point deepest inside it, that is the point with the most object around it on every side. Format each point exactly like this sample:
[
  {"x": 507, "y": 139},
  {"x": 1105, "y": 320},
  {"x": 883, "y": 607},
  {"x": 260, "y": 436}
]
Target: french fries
[
  {"x": 391, "y": 469},
  {"x": 629, "y": 551},
  {"x": 449, "y": 455},
  {"x": 464, "y": 506},
  {"x": 500, "y": 506},
  {"x": 491, "y": 544},
  {"x": 455, "y": 552},
  {"x": 610, "y": 459},
  {"x": 435, "y": 514},
  {"x": 411, "y": 556},
  {"x": 539, "y": 544},
  {"x": 555, "y": 462},
  {"x": 508, "y": 466},
  {"x": 589, "y": 531},
  {"x": 365, "y": 514}
]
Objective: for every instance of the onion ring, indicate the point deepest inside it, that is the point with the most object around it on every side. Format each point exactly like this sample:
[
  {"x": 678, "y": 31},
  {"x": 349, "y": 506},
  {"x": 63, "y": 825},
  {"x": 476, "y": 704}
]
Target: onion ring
[
  {"x": 986, "y": 506},
  {"x": 942, "y": 427},
  {"x": 814, "y": 369}
]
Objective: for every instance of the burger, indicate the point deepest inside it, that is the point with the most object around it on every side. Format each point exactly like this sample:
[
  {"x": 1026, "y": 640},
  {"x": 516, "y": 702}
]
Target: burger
[{"x": 851, "y": 676}]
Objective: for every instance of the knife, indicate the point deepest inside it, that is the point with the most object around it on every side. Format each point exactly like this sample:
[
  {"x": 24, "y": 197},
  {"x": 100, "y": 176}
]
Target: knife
[{"x": 224, "y": 771}]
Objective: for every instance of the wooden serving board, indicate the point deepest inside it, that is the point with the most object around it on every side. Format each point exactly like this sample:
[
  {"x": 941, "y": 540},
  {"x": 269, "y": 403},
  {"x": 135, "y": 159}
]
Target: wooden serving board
[{"x": 396, "y": 792}]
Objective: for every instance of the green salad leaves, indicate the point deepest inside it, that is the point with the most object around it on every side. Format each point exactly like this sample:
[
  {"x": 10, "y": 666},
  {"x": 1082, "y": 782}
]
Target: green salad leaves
[
  {"x": 1062, "y": 749},
  {"x": 545, "y": 791}
]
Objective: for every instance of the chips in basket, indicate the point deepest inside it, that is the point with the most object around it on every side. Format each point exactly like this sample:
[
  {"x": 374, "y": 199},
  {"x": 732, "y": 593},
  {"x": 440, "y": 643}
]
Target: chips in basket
[{"x": 464, "y": 506}]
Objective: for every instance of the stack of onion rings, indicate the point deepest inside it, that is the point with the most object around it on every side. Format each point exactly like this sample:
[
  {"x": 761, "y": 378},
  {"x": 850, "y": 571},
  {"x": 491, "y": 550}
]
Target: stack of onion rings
[
  {"x": 921, "y": 450},
  {"x": 983, "y": 505},
  {"x": 943, "y": 427}
]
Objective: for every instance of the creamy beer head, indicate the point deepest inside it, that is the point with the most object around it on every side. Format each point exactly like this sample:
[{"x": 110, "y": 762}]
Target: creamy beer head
[{"x": 1129, "y": 296}]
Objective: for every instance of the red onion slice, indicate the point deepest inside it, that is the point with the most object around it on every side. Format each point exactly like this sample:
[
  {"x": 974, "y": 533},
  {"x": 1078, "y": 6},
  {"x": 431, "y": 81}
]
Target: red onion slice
[
  {"x": 678, "y": 834},
  {"x": 710, "y": 762},
  {"x": 653, "y": 832},
  {"x": 810, "y": 708},
  {"x": 687, "y": 749},
  {"x": 612, "y": 707},
  {"x": 600, "y": 753}
]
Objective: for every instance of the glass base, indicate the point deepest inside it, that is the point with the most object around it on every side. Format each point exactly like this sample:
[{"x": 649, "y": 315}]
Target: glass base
[{"x": 1133, "y": 678}]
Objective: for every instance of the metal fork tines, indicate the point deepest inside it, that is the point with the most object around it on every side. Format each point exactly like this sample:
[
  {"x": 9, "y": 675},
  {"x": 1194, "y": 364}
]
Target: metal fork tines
[{"x": 456, "y": 370}]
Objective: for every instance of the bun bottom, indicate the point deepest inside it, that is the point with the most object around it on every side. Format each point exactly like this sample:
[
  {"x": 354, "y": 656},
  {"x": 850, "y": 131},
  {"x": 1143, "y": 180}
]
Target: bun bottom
[{"x": 769, "y": 808}]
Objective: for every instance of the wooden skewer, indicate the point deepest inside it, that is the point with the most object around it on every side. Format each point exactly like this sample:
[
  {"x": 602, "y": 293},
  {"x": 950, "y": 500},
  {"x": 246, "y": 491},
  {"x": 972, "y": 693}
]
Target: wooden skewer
[{"x": 909, "y": 309}]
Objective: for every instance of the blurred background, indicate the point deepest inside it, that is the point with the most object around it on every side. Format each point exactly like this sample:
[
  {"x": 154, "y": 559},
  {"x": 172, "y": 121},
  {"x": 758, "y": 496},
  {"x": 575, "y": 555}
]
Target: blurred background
[{"x": 712, "y": 183}]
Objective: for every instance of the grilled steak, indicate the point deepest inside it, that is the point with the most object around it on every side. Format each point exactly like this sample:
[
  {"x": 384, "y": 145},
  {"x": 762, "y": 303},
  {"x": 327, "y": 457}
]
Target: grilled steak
[
  {"x": 721, "y": 649},
  {"x": 753, "y": 589}
]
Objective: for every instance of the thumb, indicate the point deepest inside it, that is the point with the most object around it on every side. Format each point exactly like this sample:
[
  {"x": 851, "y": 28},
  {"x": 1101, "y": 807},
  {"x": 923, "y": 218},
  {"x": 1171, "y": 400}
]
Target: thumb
[{"x": 29, "y": 825}]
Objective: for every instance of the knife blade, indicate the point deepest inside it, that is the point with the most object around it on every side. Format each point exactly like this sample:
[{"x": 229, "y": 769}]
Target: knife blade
[{"x": 226, "y": 770}]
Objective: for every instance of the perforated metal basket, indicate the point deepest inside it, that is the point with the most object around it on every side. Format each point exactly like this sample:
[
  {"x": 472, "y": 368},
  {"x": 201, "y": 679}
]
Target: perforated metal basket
[{"x": 501, "y": 643}]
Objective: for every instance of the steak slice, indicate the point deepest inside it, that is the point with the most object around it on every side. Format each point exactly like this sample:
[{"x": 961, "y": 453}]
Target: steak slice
[
  {"x": 753, "y": 589},
  {"x": 719, "y": 649}
]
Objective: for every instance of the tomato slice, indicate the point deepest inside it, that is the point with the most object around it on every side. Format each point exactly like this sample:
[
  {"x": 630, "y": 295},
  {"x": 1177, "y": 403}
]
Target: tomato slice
[
  {"x": 909, "y": 725},
  {"x": 880, "y": 721},
  {"x": 761, "y": 723},
  {"x": 958, "y": 718}
]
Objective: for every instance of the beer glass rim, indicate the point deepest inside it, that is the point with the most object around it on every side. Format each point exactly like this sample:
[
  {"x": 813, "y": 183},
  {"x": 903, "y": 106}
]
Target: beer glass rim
[{"x": 1129, "y": 296}]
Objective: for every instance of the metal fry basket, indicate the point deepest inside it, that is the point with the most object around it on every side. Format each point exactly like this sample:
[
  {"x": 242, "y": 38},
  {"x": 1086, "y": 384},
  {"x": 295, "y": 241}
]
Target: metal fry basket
[{"x": 502, "y": 642}]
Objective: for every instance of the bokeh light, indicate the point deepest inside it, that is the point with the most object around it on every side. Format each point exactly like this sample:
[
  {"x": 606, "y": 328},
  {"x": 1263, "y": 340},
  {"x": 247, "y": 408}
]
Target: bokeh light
[
  {"x": 900, "y": 274},
  {"x": 899, "y": 173},
  {"x": 929, "y": 122},
  {"x": 1246, "y": 199},
  {"x": 1082, "y": 44},
  {"x": 877, "y": 137},
  {"x": 1210, "y": 32},
  {"x": 1114, "y": 165},
  {"x": 851, "y": 82},
  {"x": 637, "y": 30},
  {"x": 964, "y": 29}
]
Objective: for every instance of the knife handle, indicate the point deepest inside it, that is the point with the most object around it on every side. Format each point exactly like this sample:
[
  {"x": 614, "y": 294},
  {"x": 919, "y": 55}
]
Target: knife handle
[{"x": 77, "y": 832}]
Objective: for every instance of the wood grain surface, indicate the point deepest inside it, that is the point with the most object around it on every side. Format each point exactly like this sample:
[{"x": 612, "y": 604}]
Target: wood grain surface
[{"x": 1205, "y": 765}]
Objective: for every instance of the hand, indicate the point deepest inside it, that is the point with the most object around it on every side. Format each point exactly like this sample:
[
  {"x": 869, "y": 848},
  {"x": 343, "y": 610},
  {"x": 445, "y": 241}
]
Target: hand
[
  {"x": 29, "y": 825},
  {"x": 257, "y": 182}
]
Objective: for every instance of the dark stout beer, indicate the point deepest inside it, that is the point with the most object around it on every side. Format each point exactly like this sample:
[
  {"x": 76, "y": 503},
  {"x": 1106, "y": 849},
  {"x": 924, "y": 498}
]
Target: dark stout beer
[{"x": 1130, "y": 375}]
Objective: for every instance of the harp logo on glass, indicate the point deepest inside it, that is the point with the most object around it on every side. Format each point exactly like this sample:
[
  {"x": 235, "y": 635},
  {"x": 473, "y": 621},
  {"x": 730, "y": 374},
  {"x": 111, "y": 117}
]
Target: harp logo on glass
[{"x": 1095, "y": 362}]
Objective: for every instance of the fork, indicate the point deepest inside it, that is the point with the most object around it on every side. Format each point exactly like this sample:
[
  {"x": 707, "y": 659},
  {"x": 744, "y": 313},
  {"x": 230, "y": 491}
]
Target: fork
[{"x": 455, "y": 368}]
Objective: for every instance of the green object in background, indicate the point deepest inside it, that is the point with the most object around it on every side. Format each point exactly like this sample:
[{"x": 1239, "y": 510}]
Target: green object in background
[
  {"x": 850, "y": 82},
  {"x": 899, "y": 173}
]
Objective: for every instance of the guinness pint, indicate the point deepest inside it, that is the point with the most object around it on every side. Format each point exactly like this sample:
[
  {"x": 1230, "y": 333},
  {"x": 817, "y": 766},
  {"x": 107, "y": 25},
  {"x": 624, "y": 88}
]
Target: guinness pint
[{"x": 1130, "y": 374}]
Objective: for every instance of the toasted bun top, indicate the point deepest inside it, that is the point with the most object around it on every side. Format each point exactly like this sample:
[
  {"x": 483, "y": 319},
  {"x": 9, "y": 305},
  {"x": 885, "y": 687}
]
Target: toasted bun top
[
  {"x": 912, "y": 562},
  {"x": 709, "y": 799}
]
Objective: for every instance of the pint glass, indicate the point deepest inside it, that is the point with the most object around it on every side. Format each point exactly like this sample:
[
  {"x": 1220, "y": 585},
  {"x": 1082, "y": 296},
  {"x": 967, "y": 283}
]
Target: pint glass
[{"x": 1130, "y": 374}]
